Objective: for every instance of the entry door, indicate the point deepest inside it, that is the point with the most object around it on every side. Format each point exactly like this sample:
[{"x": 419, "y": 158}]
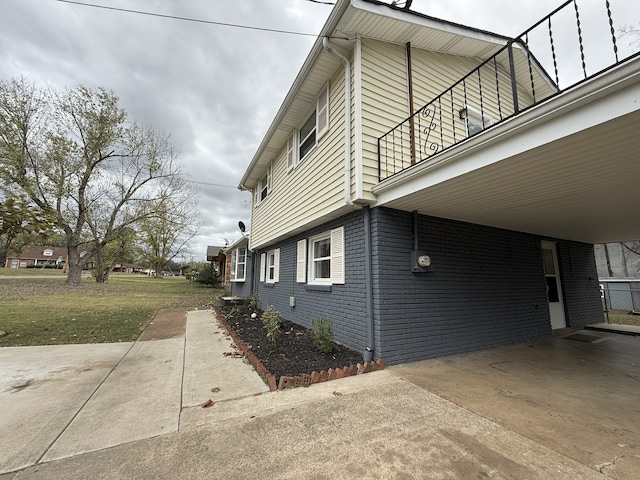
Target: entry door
[{"x": 554, "y": 290}]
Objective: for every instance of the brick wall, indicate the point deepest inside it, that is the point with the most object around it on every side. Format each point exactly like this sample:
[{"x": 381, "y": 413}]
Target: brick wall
[
  {"x": 580, "y": 287},
  {"x": 344, "y": 304},
  {"x": 485, "y": 287}
]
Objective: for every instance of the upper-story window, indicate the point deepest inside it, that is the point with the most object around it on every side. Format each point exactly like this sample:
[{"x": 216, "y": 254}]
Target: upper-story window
[
  {"x": 264, "y": 186},
  {"x": 477, "y": 120},
  {"x": 302, "y": 141}
]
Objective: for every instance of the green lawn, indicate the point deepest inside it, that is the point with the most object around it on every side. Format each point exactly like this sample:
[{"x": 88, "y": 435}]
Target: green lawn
[{"x": 44, "y": 311}]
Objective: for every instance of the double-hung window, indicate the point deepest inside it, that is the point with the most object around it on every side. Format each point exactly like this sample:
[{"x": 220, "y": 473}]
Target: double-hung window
[
  {"x": 238, "y": 265},
  {"x": 270, "y": 266},
  {"x": 307, "y": 136},
  {"x": 302, "y": 141},
  {"x": 325, "y": 260},
  {"x": 264, "y": 186}
]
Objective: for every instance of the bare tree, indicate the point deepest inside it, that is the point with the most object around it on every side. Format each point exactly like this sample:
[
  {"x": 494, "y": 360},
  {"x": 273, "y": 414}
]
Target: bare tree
[
  {"x": 167, "y": 233},
  {"x": 77, "y": 156}
]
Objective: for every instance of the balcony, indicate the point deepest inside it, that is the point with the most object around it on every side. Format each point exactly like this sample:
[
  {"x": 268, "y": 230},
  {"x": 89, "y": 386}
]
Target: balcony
[
  {"x": 575, "y": 43},
  {"x": 540, "y": 138}
]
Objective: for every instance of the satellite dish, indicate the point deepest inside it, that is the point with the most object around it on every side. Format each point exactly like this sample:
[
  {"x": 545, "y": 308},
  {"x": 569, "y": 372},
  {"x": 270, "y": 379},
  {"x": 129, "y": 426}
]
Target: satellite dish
[{"x": 241, "y": 226}]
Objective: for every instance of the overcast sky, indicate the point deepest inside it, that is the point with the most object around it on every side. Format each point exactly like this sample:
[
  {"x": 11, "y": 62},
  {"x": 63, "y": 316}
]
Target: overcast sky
[{"x": 214, "y": 88}]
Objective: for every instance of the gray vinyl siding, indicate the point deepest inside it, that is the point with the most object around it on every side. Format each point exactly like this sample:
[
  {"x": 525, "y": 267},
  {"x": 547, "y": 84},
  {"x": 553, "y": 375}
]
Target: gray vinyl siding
[{"x": 344, "y": 304}]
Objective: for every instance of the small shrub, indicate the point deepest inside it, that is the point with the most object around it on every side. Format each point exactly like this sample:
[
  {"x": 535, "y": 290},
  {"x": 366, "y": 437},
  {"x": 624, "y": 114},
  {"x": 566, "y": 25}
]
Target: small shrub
[
  {"x": 234, "y": 312},
  {"x": 322, "y": 332},
  {"x": 251, "y": 301},
  {"x": 272, "y": 321}
]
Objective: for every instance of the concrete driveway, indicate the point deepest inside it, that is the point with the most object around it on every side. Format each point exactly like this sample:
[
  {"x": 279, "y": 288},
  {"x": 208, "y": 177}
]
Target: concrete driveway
[
  {"x": 552, "y": 409},
  {"x": 577, "y": 398}
]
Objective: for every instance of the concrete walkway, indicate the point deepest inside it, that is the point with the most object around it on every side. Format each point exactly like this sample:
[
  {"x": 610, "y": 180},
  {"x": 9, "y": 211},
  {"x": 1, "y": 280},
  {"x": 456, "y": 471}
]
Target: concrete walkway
[
  {"x": 551, "y": 409},
  {"x": 66, "y": 400}
]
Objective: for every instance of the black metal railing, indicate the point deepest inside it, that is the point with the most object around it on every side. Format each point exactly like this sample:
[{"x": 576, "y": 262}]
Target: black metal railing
[{"x": 569, "y": 46}]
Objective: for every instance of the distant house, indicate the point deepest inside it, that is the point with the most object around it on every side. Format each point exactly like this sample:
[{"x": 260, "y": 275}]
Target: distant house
[
  {"x": 45, "y": 257},
  {"x": 128, "y": 268},
  {"x": 216, "y": 256},
  {"x": 434, "y": 188}
]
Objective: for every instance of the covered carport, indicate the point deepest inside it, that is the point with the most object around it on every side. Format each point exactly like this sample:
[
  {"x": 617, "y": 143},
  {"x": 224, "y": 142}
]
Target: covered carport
[{"x": 578, "y": 395}]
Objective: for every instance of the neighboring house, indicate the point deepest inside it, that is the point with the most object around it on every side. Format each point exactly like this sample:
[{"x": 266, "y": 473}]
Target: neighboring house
[
  {"x": 240, "y": 264},
  {"x": 128, "y": 268},
  {"x": 31, "y": 257},
  {"x": 433, "y": 189},
  {"x": 216, "y": 256}
]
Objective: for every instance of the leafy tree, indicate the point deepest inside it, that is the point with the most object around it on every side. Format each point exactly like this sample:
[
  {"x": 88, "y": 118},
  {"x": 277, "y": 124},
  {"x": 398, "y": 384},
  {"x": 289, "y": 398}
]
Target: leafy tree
[
  {"x": 78, "y": 158},
  {"x": 21, "y": 225}
]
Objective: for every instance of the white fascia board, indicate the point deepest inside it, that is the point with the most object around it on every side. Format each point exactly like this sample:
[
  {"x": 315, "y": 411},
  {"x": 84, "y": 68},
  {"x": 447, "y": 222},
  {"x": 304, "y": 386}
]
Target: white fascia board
[{"x": 328, "y": 29}]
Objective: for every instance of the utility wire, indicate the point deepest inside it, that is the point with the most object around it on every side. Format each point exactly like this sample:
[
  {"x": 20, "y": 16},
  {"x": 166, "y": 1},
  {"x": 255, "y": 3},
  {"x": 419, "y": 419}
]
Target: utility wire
[
  {"x": 197, "y": 20},
  {"x": 212, "y": 184}
]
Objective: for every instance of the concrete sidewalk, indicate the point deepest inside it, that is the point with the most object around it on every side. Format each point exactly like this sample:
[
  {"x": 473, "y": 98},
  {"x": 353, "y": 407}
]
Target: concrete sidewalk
[
  {"x": 550, "y": 409},
  {"x": 66, "y": 400}
]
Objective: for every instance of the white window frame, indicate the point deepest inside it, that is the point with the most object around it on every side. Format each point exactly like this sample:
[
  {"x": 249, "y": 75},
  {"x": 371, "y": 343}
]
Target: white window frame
[
  {"x": 313, "y": 260},
  {"x": 312, "y": 132},
  {"x": 263, "y": 188},
  {"x": 322, "y": 113},
  {"x": 336, "y": 258},
  {"x": 270, "y": 266},
  {"x": 476, "y": 117},
  {"x": 235, "y": 265},
  {"x": 321, "y": 119}
]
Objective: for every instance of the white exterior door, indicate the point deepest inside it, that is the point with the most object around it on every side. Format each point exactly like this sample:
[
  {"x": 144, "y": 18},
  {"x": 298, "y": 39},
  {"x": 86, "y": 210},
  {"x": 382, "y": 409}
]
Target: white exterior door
[{"x": 554, "y": 290}]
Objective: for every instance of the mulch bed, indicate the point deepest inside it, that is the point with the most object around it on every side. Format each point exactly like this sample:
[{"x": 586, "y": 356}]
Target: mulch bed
[{"x": 293, "y": 353}]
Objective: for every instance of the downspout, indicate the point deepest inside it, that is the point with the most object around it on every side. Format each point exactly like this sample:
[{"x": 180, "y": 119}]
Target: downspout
[
  {"x": 347, "y": 118},
  {"x": 368, "y": 353}
]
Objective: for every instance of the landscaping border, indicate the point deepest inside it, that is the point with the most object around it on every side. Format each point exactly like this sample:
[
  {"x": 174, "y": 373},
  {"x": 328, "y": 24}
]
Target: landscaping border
[{"x": 301, "y": 380}]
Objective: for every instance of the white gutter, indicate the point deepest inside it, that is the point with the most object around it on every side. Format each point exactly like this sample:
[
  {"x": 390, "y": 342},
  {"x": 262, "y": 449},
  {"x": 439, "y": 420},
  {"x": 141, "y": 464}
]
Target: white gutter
[{"x": 347, "y": 118}]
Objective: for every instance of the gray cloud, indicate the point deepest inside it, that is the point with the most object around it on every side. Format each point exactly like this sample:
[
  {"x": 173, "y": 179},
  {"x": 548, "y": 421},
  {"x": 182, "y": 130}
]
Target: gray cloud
[{"x": 215, "y": 89}]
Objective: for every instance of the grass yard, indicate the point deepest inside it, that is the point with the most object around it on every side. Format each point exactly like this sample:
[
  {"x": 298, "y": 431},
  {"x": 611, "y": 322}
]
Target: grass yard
[
  {"x": 44, "y": 311},
  {"x": 623, "y": 318}
]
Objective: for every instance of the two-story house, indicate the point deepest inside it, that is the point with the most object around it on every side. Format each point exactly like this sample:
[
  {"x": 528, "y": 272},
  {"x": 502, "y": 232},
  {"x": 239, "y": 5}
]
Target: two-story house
[{"x": 434, "y": 188}]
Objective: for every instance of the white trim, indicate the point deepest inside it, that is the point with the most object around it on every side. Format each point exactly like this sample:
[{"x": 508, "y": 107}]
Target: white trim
[
  {"x": 312, "y": 260},
  {"x": 337, "y": 256},
  {"x": 301, "y": 261},
  {"x": 322, "y": 112},
  {"x": 235, "y": 264},
  {"x": 357, "y": 127},
  {"x": 263, "y": 266},
  {"x": 292, "y": 150},
  {"x": 260, "y": 188},
  {"x": 276, "y": 269},
  {"x": 275, "y": 254}
]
